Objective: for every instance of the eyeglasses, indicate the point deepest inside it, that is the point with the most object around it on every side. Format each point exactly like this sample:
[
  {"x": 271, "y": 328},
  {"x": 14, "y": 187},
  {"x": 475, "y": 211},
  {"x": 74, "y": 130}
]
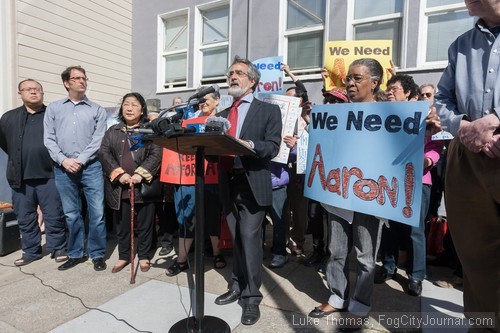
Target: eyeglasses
[
  {"x": 393, "y": 89},
  {"x": 79, "y": 78},
  {"x": 354, "y": 79},
  {"x": 427, "y": 94},
  {"x": 37, "y": 90},
  {"x": 238, "y": 73}
]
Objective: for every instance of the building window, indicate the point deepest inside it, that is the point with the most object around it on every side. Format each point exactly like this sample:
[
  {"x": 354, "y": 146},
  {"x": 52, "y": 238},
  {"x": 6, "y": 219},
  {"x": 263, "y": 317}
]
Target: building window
[
  {"x": 444, "y": 21},
  {"x": 374, "y": 20},
  {"x": 304, "y": 34},
  {"x": 174, "y": 50},
  {"x": 213, "y": 40}
]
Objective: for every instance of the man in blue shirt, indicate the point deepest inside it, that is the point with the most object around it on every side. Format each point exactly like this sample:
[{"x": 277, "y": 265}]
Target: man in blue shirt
[
  {"x": 74, "y": 127},
  {"x": 468, "y": 103}
]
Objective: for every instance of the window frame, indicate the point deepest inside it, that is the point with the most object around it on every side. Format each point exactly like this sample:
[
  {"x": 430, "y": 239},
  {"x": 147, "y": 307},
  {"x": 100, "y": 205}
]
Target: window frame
[
  {"x": 198, "y": 48},
  {"x": 310, "y": 73},
  {"x": 160, "y": 84},
  {"x": 404, "y": 16},
  {"x": 424, "y": 14}
]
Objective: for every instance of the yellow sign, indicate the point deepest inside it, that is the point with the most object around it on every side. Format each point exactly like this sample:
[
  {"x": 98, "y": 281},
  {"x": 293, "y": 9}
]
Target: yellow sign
[{"x": 340, "y": 54}]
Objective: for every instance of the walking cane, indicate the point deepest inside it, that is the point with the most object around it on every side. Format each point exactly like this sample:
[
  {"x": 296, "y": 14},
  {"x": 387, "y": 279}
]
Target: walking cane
[{"x": 132, "y": 220}]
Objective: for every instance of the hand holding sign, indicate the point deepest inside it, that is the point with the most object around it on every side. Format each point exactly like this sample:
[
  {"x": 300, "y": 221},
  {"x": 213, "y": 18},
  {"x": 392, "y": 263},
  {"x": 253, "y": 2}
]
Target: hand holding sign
[
  {"x": 393, "y": 69},
  {"x": 290, "y": 140},
  {"x": 432, "y": 122}
]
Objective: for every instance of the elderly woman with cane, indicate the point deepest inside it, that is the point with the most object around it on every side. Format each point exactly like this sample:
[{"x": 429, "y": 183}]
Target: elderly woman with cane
[{"x": 131, "y": 164}]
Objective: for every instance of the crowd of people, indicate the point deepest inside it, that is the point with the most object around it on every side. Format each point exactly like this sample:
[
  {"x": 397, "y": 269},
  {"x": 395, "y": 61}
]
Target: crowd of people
[{"x": 65, "y": 163}]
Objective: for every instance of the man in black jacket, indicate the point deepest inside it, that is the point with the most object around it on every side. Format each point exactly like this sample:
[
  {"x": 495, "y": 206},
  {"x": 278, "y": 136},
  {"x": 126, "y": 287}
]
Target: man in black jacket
[
  {"x": 30, "y": 175},
  {"x": 245, "y": 185}
]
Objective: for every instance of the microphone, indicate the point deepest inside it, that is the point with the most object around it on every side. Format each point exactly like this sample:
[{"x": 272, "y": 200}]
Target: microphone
[
  {"x": 190, "y": 129},
  {"x": 160, "y": 125},
  {"x": 141, "y": 130},
  {"x": 213, "y": 88},
  {"x": 217, "y": 124}
]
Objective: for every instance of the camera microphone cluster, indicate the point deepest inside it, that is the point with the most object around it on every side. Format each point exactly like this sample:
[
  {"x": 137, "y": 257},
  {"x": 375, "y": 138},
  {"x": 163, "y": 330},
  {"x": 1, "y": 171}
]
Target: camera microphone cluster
[{"x": 169, "y": 121}]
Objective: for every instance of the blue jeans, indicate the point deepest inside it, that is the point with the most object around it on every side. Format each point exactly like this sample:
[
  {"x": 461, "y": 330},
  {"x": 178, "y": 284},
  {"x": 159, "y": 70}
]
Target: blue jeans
[
  {"x": 413, "y": 236},
  {"x": 184, "y": 200},
  {"x": 363, "y": 235},
  {"x": 417, "y": 250},
  {"x": 89, "y": 180},
  {"x": 41, "y": 192}
]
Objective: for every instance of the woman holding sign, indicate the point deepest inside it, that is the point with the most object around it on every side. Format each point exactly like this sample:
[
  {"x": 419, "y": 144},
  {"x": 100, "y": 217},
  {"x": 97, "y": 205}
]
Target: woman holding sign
[
  {"x": 184, "y": 198},
  {"x": 350, "y": 229}
]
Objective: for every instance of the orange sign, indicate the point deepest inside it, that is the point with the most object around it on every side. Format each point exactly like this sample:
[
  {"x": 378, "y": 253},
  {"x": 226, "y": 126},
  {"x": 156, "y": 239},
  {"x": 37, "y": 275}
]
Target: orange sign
[
  {"x": 340, "y": 54},
  {"x": 180, "y": 169}
]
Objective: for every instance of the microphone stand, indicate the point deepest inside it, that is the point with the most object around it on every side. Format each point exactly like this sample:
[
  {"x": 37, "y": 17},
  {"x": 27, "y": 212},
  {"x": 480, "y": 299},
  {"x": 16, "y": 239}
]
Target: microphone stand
[{"x": 172, "y": 126}]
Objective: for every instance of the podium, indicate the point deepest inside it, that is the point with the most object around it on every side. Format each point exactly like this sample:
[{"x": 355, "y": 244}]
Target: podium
[{"x": 201, "y": 144}]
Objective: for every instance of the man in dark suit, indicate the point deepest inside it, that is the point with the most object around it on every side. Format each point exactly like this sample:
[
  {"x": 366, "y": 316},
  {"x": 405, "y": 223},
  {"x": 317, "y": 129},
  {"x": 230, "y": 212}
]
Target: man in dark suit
[{"x": 245, "y": 184}]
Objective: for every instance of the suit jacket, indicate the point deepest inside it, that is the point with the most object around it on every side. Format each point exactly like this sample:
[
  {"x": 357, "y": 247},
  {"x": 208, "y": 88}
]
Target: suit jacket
[{"x": 263, "y": 127}]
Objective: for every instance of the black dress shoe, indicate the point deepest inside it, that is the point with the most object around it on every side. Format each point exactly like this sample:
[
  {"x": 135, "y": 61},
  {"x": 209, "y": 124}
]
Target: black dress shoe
[
  {"x": 314, "y": 259},
  {"x": 414, "y": 287},
  {"x": 251, "y": 314},
  {"x": 228, "y": 297},
  {"x": 318, "y": 313},
  {"x": 382, "y": 275},
  {"x": 99, "y": 264},
  {"x": 72, "y": 262},
  {"x": 322, "y": 265}
]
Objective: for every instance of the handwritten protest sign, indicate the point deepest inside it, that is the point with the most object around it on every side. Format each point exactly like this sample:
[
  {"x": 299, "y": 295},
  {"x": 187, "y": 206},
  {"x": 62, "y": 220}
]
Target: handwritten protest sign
[
  {"x": 340, "y": 54},
  {"x": 180, "y": 169},
  {"x": 290, "y": 111},
  {"x": 302, "y": 144},
  {"x": 271, "y": 75},
  {"x": 368, "y": 157}
]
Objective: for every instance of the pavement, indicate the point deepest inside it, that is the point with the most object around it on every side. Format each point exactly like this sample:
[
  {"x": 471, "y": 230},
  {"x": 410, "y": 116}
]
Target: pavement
[{"x": 39, "y": 298}]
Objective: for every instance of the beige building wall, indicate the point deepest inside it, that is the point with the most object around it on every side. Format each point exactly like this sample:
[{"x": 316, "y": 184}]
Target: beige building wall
[{"x": 50, "y": 35}]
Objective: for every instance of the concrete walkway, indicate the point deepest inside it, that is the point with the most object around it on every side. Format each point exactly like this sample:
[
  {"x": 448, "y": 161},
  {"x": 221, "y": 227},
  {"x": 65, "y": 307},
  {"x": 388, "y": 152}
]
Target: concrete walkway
[{"x": 39, "y": 298}]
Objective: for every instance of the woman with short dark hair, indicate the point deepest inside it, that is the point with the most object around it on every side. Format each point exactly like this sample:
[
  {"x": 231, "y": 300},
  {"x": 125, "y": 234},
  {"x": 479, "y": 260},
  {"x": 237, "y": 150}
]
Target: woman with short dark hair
[
  {"x": 353, "y": 230},
  {"x": 125, "y": 163}
]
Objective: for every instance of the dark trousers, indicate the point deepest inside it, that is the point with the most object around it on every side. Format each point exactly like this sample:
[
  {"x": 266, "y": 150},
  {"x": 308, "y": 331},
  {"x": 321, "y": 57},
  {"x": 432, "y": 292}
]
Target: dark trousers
[
  {"x": 41, "y": 192},
  {"x": 315, "y": 213},
  {"x": 143, "y": 226},
  {"x": 296, "y": 214},
  {"x": 244, "y": 218},
  {"x": 277, "y": 212},
  {"x": 472, "y": 197}
]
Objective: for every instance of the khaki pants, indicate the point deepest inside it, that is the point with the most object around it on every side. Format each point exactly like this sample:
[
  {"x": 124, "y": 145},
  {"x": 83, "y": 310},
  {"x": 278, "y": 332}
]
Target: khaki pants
[{"x": 472, "y": 195}]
